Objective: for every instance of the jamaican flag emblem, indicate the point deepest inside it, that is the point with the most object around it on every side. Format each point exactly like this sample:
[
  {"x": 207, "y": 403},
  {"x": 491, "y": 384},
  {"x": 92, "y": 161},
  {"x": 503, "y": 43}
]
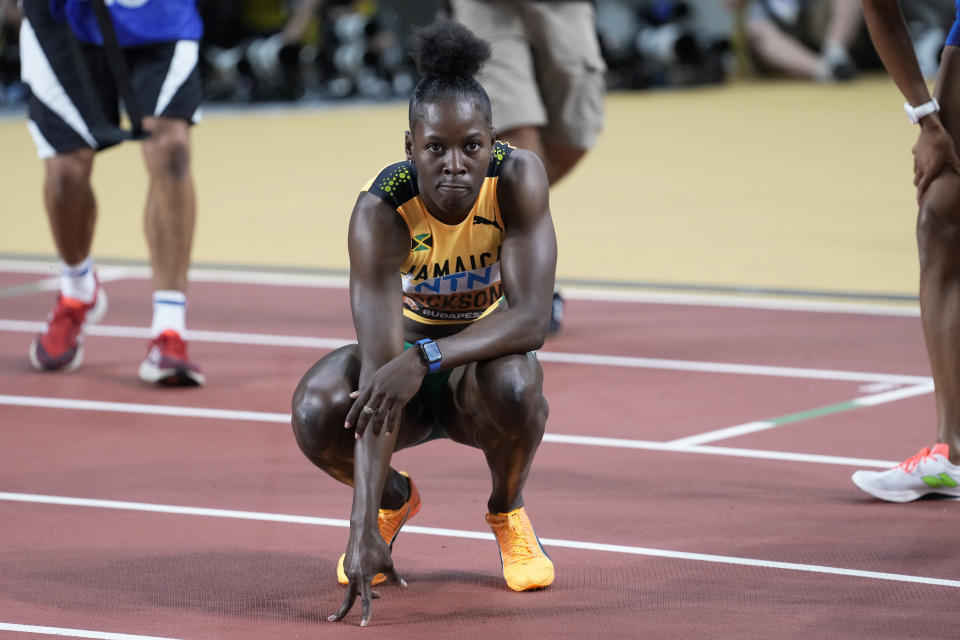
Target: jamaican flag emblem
[{"x": 421, "y": 242}]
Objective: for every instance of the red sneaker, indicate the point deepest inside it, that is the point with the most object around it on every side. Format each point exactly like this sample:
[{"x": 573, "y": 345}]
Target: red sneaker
[
  {"x": 59, "y": 347},
  {"x": 167, "y": 363}
]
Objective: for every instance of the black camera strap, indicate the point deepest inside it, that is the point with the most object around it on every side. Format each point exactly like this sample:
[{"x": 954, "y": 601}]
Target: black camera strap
[{"x": 118, "y": 68}]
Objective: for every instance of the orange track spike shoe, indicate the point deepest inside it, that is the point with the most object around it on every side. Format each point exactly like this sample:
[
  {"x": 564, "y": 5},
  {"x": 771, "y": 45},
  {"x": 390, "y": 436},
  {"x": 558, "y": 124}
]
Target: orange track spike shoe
[{"x": 526, "y": 565}]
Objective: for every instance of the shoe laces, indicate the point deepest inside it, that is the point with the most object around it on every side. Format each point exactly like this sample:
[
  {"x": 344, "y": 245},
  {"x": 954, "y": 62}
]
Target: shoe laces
[
  {"x": 172, "y": 345},
  {"x": 65, "y": 322},
  {"x": 519, "y": 544},
  {"x": 911, "y": 463}
]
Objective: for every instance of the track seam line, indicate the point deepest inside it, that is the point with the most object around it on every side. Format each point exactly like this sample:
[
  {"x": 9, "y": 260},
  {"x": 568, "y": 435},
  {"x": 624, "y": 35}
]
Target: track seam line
[
  {"x": 632, "y": 362},
  {"x": 553, "y": 438},
  {"x": 598, "y": 292},
  {"x": 75, "y": 633},
  {"x": 474, "y": 535}
]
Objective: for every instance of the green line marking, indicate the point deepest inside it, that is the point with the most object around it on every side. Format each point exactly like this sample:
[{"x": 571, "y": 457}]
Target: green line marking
[{"x": 813, "y": 413}]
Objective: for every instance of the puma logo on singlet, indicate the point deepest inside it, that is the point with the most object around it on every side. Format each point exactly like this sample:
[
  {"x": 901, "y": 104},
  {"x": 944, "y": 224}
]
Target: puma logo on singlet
[{"x": 482, "y": 220}]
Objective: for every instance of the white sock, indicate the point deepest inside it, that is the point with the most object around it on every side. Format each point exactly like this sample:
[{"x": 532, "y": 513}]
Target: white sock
[
  {"x": 836, "y": 53},
  {"x": 169, "y": 312},
  {"x": 77, "y": 281}
]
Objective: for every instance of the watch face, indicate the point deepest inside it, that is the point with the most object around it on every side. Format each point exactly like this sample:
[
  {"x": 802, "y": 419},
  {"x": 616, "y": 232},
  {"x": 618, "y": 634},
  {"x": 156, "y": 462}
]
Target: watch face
[{"x": 431, "y": 351}]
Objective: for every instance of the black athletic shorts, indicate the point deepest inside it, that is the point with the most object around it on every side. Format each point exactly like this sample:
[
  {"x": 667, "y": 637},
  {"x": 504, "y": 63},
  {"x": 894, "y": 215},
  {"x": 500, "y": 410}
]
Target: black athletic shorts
[{"x": 74, "y": 101}]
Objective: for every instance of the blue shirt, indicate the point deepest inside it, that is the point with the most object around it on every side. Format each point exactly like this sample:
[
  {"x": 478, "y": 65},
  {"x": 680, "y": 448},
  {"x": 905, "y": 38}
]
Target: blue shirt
[
  {"x": 953, "y": 38},
  {"x": 136, "y": 22}
]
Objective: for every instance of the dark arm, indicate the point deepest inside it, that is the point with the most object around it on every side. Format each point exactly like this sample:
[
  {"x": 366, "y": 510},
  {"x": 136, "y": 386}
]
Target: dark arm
[
  {"x": 528, "y": 261},
  {"x": 378, "y": 243},
  {"x": 888, "y": 30}
]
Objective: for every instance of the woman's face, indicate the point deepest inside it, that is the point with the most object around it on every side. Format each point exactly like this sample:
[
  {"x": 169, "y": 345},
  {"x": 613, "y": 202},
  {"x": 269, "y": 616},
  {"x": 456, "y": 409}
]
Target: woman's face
[{"x": 451, "y": 145}]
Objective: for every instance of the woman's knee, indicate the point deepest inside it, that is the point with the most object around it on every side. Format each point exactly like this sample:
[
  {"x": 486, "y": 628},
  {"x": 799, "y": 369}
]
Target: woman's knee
[
  {"x": 512, "y": 389},
  {"x": 320, "y": 404},
  {"x": 938, "y": 222}
]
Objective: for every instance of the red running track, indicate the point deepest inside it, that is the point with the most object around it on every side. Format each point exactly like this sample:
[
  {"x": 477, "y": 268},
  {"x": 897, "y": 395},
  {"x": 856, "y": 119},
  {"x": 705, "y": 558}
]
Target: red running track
[{"x": 178, "y": 575}]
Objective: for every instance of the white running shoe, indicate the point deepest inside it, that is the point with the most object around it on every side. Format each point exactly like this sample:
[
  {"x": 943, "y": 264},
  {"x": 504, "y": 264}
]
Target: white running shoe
[{"x": 930, "y": 471}]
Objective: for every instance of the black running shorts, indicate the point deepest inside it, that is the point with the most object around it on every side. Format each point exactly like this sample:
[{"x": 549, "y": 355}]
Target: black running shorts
[{"x": 74, "y": 101}]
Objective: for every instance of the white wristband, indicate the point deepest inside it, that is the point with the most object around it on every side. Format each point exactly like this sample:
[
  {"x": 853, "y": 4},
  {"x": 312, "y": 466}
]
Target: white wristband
[{"x": 925, "y": 109}]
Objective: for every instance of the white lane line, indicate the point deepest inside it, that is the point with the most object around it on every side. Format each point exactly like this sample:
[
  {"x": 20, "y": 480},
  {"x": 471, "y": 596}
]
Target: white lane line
[
  {"x": 261, "y": 339},
  {"x": 228, "y": 337},
  {"x": 235, "y": 276},
  {"x": 476, "y": 535},
  {"x": 725, "y": 367},
  {"x": 553, "y": 438},
  {"x": 896, "y": 394},
  {"x": 723, "y": 434},
  {"x": 647, "y": 445},
  {"x": 74, "y": 633},
  {"x": 782, "y": 421},
  {"x": 53, "y": 284},
  {"x": 143, "y": 409},
  {"x": 599, "y": 293},
  {"x": 174, "y": 509}
]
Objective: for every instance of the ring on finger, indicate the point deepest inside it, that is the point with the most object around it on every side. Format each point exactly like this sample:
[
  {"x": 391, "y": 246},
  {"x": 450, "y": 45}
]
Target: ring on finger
[{"x": 370, "y": 411}]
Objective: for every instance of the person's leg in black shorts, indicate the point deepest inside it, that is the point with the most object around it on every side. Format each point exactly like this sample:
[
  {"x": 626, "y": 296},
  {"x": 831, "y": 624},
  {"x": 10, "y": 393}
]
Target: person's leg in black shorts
[
  {"x": 73, "y": 113},
  {"x": 166, "y": 81}
]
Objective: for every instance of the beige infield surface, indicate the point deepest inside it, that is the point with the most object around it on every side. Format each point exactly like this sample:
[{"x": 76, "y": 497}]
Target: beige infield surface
[{"x": 774, "y": 185}]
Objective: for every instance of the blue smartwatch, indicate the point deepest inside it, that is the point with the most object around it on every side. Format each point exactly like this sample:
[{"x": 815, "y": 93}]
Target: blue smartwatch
[{"x": 430, "y": 353}]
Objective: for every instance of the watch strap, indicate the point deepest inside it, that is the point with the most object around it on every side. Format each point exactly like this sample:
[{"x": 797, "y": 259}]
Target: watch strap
[
  {"x": 918, "y": 112},
  {"x": 432, "y": 365}
]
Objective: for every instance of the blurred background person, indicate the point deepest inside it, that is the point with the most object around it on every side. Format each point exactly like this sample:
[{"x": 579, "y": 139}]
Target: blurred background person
[
  {"x": 252, "y": 48},
  {"x": 809, "y": 39},
  {"x": 545, "y": 78},
  {"x": 75, "y": 82},
  {"x": 11, "y": 90},
  {"x": 927, "y": 23},
  {"x": 288, "y": 50}
]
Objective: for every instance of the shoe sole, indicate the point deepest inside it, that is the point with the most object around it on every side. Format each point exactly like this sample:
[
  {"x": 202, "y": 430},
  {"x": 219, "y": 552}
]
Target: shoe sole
[
  {"x": 174, "y": 377},
  {"x": 906, "y": 495},
  {"x": 95, "y": 315},
  {"x": 70, "y": 366},
  {"x": 531, "y": 587},
  {"x": 543, "y": 584}
]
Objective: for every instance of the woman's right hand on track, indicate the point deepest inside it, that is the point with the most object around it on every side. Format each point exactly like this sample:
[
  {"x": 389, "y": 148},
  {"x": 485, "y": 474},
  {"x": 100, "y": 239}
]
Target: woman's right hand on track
[{"x": 366, "y": 556}]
